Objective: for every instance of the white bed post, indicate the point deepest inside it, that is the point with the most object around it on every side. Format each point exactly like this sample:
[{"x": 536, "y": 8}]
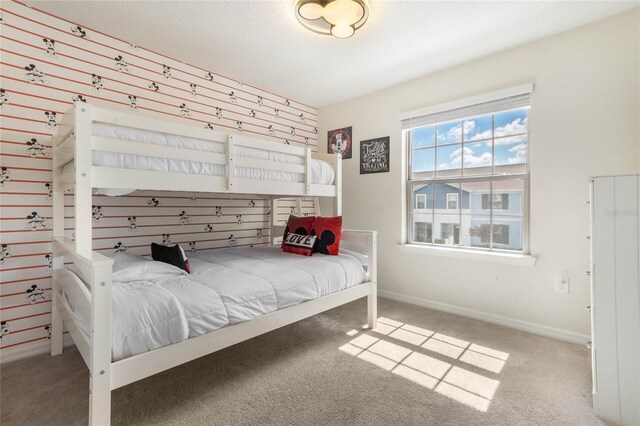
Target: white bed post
[
  {"x": 272, "y": 220},
  {"x": 82, "y": 162},
  {"x": 100, "y": 353},
  {"x": 337, "y": 204},
  {"x": 58, "y": 260},
  {"x": 230, "y": 166},
  {"x": 299, "y": 205},
  {"x": 372, "y": 298},
  {"x": 316, "y": 207}
]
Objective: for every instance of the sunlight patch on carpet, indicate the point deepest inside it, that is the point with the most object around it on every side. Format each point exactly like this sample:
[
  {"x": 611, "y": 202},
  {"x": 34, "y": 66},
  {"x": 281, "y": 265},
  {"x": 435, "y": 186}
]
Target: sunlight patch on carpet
[{"x": 453, "y": 381}]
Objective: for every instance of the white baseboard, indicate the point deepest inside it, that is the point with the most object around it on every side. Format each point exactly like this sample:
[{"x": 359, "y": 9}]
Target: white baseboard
[
  {"x": 542, "y": 330},
  {"x": 44, "y": 346}
]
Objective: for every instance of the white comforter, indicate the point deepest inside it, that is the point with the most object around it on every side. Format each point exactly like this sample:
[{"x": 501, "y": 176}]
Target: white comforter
[
  {"x": 225, "y": 287},
  {"x": 321, "y": 172}
]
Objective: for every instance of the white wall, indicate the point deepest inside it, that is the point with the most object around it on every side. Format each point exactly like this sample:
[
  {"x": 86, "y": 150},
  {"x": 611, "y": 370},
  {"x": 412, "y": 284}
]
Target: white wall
[{"x": 584, "y": 121}]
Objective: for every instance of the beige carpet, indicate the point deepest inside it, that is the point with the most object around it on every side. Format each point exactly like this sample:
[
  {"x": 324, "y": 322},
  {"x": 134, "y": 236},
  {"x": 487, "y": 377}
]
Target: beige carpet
[{"x": 313, "y": 372}]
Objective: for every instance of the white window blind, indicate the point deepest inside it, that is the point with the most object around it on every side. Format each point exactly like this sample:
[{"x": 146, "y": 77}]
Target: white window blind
[{"x": 517, "y": 97}]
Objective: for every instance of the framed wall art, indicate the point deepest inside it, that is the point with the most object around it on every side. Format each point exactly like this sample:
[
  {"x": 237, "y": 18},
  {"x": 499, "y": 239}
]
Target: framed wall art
[
  {"x": 374, "y": 155},
  {"x": 339, "y": 141}
]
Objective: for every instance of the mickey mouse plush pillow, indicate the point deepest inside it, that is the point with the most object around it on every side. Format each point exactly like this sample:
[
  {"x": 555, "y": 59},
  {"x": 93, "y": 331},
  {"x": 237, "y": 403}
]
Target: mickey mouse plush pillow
[
  {"x": 325, "y": 233},
  {"x": 328, "y": 231}
]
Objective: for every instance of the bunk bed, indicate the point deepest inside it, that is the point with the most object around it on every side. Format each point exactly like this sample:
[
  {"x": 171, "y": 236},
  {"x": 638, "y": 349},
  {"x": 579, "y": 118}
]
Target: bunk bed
[{"x": 113, "y": 152}]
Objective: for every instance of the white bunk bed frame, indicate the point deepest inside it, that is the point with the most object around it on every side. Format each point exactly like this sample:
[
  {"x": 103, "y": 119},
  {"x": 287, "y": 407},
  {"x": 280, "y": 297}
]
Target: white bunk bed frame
[{"x": 73, "y": 169}]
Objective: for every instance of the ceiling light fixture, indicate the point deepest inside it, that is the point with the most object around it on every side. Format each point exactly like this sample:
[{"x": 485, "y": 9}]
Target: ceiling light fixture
[{"x": 339, "y": 18}]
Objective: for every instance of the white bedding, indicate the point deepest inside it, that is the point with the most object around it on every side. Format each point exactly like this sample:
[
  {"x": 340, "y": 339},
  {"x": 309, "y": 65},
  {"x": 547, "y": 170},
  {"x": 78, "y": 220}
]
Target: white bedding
[
  {"x": 225, "y": 287},
  {"x": 321, "y": 172}
]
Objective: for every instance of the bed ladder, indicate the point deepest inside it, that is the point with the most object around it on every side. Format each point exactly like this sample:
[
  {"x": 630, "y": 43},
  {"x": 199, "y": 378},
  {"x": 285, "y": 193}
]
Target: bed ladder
[{"x": 278, "y": 220}]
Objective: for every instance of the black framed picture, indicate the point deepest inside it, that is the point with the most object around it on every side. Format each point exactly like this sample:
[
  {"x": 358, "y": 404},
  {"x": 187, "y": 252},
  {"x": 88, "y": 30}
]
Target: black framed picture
[
  {"x": 374, "y": 155},
  {"x": 339, "y": 141}
]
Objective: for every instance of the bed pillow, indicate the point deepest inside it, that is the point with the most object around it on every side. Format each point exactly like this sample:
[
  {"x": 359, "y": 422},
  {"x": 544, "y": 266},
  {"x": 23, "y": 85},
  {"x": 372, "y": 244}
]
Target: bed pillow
[
  {"x": 298, "y": 244},
  {"x": 173, "y": 255},
  {"x": 328, "y": 230},
  {"x": 298, "y": 225},
  {"x": 129, "y": 267}
]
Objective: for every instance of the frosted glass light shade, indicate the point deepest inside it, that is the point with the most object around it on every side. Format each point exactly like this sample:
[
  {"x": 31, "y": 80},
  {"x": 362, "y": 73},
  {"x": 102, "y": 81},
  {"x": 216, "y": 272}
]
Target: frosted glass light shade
[
  {"x": 342, "y": 31},
  {"x": 311, "y": 11},
  {"x": 343, "y": 12}
]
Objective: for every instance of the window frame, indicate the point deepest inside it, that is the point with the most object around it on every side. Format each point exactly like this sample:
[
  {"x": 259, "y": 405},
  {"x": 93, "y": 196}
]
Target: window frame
[
  {"x": 418, "y": 203},
  {"x": 460, "y": 180},
  {"x": 457, "y": 200},
  {"x": 429, "y": 226},
  {"x": 491, "y": 204}
]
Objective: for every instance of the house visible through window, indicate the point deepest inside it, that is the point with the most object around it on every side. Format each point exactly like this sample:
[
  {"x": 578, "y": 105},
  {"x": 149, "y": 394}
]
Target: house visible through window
[{"x": 468, "y": 174}]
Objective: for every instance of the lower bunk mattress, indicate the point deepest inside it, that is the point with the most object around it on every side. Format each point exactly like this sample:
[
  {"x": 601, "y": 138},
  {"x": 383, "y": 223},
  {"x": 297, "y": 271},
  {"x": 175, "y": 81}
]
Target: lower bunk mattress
[{"x": 225, "y": 287}]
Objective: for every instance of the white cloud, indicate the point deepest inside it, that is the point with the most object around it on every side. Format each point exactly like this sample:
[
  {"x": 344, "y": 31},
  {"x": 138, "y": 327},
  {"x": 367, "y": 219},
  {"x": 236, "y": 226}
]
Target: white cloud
[
  {"x": 519, "y": 125},
  {"x": 470, "y": 159},
  {"x": 454, "y": 134},
  {"x": 520, "y": 154}
]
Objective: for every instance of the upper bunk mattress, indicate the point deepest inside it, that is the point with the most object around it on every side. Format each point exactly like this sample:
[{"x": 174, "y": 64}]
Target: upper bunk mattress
[
  {"x": 225, "y": 287},
  {"x": 321, "y": 172}
]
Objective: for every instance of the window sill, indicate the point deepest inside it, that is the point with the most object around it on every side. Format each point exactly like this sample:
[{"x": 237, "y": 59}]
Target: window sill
[{"x": 460, "y": 253}]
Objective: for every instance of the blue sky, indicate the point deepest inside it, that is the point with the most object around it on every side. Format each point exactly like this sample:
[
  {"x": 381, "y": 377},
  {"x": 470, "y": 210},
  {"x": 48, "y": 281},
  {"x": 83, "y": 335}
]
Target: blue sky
[{"x": 509, "y": 149}]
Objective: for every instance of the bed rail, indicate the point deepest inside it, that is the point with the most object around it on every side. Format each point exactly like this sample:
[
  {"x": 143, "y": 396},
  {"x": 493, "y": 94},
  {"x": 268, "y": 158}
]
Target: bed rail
[
  {"x": 96, "y": 348},
  {"x": 363, "y": 245},
  {"x": 75, "y": 143}
]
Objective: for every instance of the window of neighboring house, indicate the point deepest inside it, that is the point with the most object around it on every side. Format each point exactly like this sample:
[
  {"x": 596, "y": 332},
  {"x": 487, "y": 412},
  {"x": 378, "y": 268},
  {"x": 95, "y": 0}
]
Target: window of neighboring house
[
  {"x": 450, "y": 233},
  {"x": 498, "y": 201},
  {"x": 452, "y": 201},
  {"x": 500, "y": 235},
  {"x": 471, "y": 163},
  {"x": 423, "y": 232}
]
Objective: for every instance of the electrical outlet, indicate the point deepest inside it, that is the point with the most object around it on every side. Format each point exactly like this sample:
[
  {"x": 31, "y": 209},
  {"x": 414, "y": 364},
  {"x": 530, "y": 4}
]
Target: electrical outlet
[{"x": 562, "y": 283}]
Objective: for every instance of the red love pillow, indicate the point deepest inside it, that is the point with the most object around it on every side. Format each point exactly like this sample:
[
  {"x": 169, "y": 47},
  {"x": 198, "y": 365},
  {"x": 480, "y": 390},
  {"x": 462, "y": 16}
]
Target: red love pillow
[
  {"x": 328, "y": 230},
  {"x": 298, "y": 225}
]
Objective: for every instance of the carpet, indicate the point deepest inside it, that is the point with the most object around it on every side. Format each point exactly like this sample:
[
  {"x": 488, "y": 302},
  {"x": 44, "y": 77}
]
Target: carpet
[{"x": 419, "y": 366}]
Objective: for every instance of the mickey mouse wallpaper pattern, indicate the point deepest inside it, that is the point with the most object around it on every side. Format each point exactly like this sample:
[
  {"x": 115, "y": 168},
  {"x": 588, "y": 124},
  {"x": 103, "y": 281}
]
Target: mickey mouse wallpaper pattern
[{"x": 50, "y": 65}]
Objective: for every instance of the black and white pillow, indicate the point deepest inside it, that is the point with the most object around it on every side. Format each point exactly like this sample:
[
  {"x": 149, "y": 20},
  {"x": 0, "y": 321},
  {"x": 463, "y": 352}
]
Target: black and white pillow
[
  {"x": 173, "y": 255},
  {"x": 298, "y": 244}
]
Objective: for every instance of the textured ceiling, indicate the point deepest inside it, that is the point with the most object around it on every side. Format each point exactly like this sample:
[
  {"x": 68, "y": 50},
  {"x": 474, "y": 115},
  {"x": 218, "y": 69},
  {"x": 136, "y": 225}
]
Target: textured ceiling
[{"x": 261, "y": 43}]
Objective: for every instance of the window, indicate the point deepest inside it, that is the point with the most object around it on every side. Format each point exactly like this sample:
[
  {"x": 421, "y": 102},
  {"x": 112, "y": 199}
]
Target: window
[
  {"x": 452, "y": 201},
  {"x": 450, "y": 233},
  {"x": 468, "y": 174},
  {"x": 423, "y": 232},
  {"x": 500, "y": 234},
  {"x": 498, "y": 201}
]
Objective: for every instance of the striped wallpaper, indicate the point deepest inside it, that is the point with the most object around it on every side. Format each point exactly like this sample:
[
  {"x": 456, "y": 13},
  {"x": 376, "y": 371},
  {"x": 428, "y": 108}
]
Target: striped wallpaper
[{"x": 48, "y": 63}]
